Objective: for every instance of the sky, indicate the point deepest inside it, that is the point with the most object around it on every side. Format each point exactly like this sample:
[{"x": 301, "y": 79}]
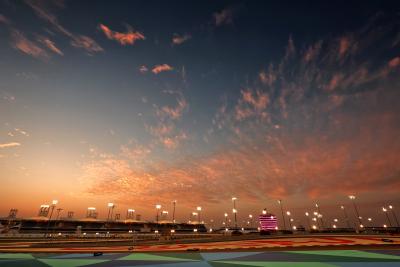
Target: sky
[{"x": 145, "y": 102}]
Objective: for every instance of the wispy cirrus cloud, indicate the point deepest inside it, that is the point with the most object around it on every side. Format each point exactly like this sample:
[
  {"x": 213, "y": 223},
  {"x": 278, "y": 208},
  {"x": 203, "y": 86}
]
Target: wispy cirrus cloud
[
  {"x": 26, "y": 46},
  {"x": 42, "y": 10},
  {"x": 224, "y": 17},
  {"x": 127, "y": 38},
  {"x": 50, "y": 45},
  {"x": 161, "y": 68},
  {"x": 11, "y": 144},
  {"x": 180, "y": 39},
  {"x": 4, "y": 19},
  {"x": 143, "y": 69}
]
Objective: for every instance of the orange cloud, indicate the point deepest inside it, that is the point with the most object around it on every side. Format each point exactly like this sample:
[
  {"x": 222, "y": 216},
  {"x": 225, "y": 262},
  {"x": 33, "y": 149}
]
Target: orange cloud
[
  {"x": 161, "y": 68},
  {"x": 128, "y": 38},
  {"x": 394, "y": 62},
  {"x": 12, "y": 144},
  {"x": 50, "y": 45},
  {"x": 21, "y": 43},
  {"x": 180, "y": 39}
]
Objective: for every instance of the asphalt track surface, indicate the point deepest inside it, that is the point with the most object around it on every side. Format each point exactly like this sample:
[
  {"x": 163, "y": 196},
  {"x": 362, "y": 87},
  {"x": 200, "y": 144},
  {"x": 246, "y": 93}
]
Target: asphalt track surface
[
  {"x": 294, "y": 258},
  {"x": 272, "y": 243}
]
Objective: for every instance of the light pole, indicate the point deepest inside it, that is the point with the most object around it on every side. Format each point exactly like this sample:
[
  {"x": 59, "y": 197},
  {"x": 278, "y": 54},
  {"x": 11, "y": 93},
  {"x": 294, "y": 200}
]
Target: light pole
[
  {"x": 316, "y": 214},
  {"x": 394, "y": 215},
  {"x": 195, "y": 214},
  {"x": 251, "y": 220},
  {"x": 226, "y": 219},
  {"x": 308, "y": 220},
  {"x": 320, "y": 215},
  {"x": 158, "y": 207},
  {"x": 290, "y": 222},
  {"x": 352, "y": 198},
  {"x": 234, "y": 210},
  {"x": 199, "y": 211},
  {"x": 345, "y": 216},
  {"x": 387, "y": 216},
  {"x": 110, "y": 211},
  {"x": 173, "y": 211},
  {"x": 53, "y": 205},
  {"x": 130, "y": 214},
  {"x": 283, "y": 216}
]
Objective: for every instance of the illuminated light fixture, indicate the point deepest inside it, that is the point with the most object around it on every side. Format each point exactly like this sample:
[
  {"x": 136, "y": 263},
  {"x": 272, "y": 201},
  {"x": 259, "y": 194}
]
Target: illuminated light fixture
[
  {"x": 172, "y": 231},
  {"x": 131, "y": 210},
  {"x": 110, "y": 204},
  {"x": 352, "y": 197},
  {"x": 158, "y": 206},
  {"x": 369, "y": 219},
  {"x": 384, "y": 226},
  {"x": 334, "y": 226},
  {"x": 234, "y": 210},
  {"x": 199, "y": 208},
  {"x": 307, "y": 214},
  {"x": 335, "y": 220},
  {"x": 288, "y": 213},
  {"x": 264, "y": 212},
  {"x": 195, "y": 230},
  {"x": 44, "y": 206},
  {"x": 156, "y": 231},
  {"x": 91, "y": 208},
  {"x": 361, "y": 226},
  {"x": 55, "y": 202}
]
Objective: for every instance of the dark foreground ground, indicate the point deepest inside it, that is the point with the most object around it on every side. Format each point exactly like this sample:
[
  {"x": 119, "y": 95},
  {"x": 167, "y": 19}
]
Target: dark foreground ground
[{"x": 295, "y": 258}]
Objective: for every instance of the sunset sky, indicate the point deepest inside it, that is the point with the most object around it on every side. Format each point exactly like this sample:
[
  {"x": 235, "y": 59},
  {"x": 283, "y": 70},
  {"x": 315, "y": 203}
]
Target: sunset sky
[{"x": 143, "y": 102}]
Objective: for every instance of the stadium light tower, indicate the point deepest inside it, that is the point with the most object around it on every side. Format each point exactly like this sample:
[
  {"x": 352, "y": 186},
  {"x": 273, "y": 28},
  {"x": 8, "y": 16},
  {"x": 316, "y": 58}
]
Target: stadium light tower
[
  {"x": 173, "y": 211},
  {"x": 345, "y": 216},
  {"x": 110, "y": 206},
  {"x": 158, "y": 207},
  {"x": 394, "y": 215},
  {"x": 53, "y": 205},
  {"x": 320, "y": 215},
  {"x": 387, "y": 215},
  {"x": 308, "y": 219},
  {"x": 290, "y": 221},
  {"x": 353, "y": 199},
  {"x": 234, "y": 210},
  {"x": 130, "y": 214},
  {"x": 199, "y": 211},
  {"x": 283, "y": 216}
]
